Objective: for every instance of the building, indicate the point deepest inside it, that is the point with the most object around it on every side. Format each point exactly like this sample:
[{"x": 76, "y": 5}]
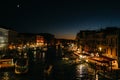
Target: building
[
  {"x": 40, "y": 40},
  {"x": 113, "y": 44},
  {"x": 30, "y": 39},
  {"x": 104, "y": 41},
  {"x": 7, "y": 37}
]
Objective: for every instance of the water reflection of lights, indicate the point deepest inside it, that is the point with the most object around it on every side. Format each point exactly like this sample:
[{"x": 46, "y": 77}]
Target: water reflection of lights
[
  {"x": 34, "y": 54},
  {"x": 5, "y": 76},
  {"x": 10, "y": 75},
  {"x": 81, "y": 70}
]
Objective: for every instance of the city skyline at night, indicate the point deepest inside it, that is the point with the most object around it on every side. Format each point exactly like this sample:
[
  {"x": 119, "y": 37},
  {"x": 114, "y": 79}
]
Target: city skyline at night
[{"x": 64, "y": 18}]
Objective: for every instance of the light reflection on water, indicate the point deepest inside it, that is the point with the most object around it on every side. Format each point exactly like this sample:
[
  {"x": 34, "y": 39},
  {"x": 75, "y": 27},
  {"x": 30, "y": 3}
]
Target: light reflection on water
[
  {"x": 6, "y": 76},
  {"x": 10, "y": 75},
  {"x": 82, "y": 72}
]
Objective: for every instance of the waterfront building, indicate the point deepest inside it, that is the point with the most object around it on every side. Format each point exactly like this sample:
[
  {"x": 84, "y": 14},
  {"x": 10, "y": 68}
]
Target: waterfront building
[
  {"x": 103, "y": 42},
  {"x": 7, "y": 37},
  {"x": 30, "y": 39}
]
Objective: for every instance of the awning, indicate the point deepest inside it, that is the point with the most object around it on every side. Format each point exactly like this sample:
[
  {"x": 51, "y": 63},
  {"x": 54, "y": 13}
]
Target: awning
[
  {"x": 103, "y": 59},
  {"x": 108, "y": 58}
]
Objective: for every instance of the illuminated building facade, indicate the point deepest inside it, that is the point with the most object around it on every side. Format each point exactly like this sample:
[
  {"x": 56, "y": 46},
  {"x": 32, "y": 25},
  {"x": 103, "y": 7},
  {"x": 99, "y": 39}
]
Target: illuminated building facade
[
  {"x": 113, "y": 44},
  {"x": 39, "y": 40},
  {"x": 30, "y": 39},
  {"x": 3, "y": 38},
  {"x": 7, "y": 37},
  {"x": 104, "y": 41}
]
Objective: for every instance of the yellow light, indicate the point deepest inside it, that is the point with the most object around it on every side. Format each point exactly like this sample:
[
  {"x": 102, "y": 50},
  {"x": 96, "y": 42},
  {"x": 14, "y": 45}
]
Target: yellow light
[{"x": 100, "y": 48}]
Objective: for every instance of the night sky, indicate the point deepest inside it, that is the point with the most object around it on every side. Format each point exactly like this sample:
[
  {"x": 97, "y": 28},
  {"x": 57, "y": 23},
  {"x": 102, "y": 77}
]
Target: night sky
[{"x": 63, "y": 18}]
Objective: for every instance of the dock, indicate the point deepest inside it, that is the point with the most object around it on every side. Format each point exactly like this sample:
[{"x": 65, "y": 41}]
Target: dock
[{"x": 6, "y": 63}]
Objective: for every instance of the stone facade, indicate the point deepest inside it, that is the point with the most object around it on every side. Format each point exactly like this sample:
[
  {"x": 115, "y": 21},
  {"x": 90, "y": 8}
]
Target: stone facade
[{"x": 104, "y": 41}]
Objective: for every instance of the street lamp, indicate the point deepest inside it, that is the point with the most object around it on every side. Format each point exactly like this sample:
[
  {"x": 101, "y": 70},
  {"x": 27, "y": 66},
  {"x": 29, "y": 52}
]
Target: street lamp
[{"x": 100, "y": 48}]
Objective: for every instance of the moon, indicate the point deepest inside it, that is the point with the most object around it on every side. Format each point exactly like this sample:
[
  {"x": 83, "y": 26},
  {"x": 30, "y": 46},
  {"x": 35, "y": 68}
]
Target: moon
[{"x": 18, "y": 5}]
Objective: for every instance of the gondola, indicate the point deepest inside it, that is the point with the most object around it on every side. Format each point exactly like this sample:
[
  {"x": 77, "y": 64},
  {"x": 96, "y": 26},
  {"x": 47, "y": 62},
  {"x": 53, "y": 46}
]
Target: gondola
[{"x": 21, "y": 66}]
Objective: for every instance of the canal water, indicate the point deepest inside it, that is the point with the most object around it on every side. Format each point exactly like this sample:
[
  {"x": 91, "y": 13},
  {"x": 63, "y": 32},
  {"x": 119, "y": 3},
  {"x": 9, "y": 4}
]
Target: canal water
[
  {"x": 61, "y": 70},
  {"x": 72, "y": 72}
]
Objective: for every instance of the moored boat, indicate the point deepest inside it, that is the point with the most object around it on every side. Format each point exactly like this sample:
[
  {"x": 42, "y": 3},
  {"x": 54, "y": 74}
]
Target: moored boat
[{"x": 21, "y": 66}]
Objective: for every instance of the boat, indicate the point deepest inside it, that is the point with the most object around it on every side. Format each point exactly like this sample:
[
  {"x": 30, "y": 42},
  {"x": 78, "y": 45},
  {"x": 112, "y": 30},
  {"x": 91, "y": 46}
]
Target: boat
[
  {"x": 6, "y": 63},
  {"x": 21, "y": 66}
]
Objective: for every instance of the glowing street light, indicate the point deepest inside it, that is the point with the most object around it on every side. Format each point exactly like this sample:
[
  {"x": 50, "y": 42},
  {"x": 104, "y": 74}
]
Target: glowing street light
[
  {"x": 100, "y": 51},
  {"x": 100, "y": 48}
]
